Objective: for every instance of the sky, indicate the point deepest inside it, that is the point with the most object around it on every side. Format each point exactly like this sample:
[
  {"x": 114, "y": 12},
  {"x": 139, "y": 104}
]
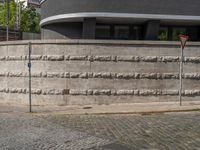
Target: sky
[{"x": 22, "y": 1}]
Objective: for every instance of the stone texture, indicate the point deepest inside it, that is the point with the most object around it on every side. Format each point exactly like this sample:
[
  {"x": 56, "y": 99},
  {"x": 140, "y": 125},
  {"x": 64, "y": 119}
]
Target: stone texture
[
  {"x": 125, "y": 92},
  {"x": 74, "y": 75},
  {"x": 170, "y": 92},
  {"x": 36, "y": 57},
  {"x": 83, "y": 75},
  {"x": 92, "y": 58},
  {"x": 77, "y": 92},
  {"x": 192, "y": 59},
  {"x": 78, "y": 58},
  {"x": 102, "y": 92},
  {"x": 149, "y": 59},
  {"x": 55, "y": 58},
  {"x": 148, "y": 92},
  {"x": 53, "y": 75},
  {"x": 126, "y": 58},
  {"x": 169, "y": 59},
  {"x": 102, "y": 58}
]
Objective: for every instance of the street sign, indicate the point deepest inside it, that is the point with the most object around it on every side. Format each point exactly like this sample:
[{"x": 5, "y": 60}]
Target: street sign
[
  {"x": 184, "y": 39},
  {"x": 29, "y": 65}
]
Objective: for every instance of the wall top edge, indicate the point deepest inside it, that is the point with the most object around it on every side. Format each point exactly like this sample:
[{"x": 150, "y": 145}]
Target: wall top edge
[{"x": 91, "y": 42}]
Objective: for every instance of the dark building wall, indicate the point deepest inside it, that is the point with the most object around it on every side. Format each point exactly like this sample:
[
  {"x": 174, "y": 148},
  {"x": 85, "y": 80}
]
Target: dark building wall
[
  {"x": 62, "y": 30},
  {"x": 173, "y": 7},
  {"x": 51, "y": 29},
  {"x": 89, "y": 26},
  {"x": 152, "y": 29},
  {"x": 192, "y": 32}
]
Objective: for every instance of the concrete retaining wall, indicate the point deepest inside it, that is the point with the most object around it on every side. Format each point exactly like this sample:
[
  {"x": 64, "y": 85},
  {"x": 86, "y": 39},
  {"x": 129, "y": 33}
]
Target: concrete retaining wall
[{"x": 82, "y": 72}]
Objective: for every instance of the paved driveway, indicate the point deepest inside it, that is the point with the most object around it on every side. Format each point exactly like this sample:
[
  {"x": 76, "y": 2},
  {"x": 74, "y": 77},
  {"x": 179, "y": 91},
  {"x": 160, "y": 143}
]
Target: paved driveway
[{"x": 171, "y": 131}]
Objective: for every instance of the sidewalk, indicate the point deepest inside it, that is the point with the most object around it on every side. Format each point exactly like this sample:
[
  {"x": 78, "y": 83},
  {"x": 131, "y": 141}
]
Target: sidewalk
[{"x": 143, "y": 108}]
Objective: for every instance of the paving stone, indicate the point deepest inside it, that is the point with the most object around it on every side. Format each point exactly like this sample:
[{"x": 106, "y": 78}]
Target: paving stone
[{"x": 168, "y": 131}]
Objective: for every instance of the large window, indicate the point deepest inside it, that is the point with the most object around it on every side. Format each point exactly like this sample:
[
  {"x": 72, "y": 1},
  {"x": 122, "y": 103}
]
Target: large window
[
  {"x": 121, "y": 32},
  {"x": 115, "y": 31},
  {"x": 163, "y": 34},
  {"x": 176, "y": 32},
  {"x": 136, "y": 33},
  {"x": 103, "y": 32},
  {"x": 171, "y": 33}
]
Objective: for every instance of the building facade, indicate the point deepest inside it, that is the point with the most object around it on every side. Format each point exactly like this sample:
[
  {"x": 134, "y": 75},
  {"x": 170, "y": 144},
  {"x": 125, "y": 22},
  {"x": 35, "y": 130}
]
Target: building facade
[
  {"x": 120, "y": 19},
  {"x": 35, "y": 4}
]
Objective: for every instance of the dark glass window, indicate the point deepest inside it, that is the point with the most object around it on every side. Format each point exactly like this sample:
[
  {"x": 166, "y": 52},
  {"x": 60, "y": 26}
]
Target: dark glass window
[
  {"x": 118, "y": 31},
  {"x": 103, "y": 32},
  {"x": 121, "y": 32},
  {"x": 163, "y": 34},
  {"x": 136, "y": 33},
  {"x": 176, "y": 32}
]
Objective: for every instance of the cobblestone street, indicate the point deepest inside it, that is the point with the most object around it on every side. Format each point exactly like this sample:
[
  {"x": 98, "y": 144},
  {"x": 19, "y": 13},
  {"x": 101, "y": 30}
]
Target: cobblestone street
[{"x": 170, "y": 131}]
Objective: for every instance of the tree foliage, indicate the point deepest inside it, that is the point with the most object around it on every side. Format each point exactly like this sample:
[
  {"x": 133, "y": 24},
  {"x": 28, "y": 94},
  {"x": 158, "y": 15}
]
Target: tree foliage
[
  {"x": 3, "y": 21},
  {"x": 29, "y": 20}
]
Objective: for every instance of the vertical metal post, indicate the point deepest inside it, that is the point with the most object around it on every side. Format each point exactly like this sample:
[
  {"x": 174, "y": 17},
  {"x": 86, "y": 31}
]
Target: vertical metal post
[
  {"x": 29, "y": 69},
  {"x": 7, "y": 18},
  {"x": 180, "y": 75}
]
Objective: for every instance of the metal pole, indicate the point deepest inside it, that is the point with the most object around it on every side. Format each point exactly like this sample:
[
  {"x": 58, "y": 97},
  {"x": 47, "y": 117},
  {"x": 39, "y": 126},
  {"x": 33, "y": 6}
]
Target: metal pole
[
  {"x": 29, "y": 69},
  {"x": 7, "y": 18},
  {"x": 180, "y": 76}
]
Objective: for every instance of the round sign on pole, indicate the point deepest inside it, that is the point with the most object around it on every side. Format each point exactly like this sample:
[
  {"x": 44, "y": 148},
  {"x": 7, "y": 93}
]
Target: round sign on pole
[{"x": 184, "y": 39}]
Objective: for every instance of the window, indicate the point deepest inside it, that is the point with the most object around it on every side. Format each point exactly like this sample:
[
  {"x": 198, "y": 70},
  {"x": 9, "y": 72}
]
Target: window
[
  {"x": 163, "y": 34},
  {"x": 176, "y": 32},
  {"x": 121, "y": 32},
  {"x": 136, "y": 32},
  {"x": 102, "y": 31}
]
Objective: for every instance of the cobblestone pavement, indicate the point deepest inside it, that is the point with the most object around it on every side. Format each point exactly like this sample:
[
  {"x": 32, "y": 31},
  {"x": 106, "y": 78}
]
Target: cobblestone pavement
[{"x": 170, "y": 131}]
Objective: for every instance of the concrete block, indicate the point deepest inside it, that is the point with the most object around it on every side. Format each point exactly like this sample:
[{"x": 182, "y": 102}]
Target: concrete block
[
  {"x": 191, "y": 68},
  {"x": 102, "y": 92},
  {"x": 80, "y": 58},
  {"x": 77, "y": 92},
  {"x": 55, "y": 57},
  {"x": 16, "y": 50},
  {"x": 4, "y": 51},
  {"x": 125, "y": 92},
  {"x": 54, "y": 49},
  {"x": 76, "y": 66},
  {"x": 38, "y": 49}
]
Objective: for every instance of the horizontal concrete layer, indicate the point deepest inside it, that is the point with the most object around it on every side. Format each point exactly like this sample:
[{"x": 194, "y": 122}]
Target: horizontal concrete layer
[
  {"x": 76, "y": 66},
  {"x": 105, "y": 92},
  {"x": 99, "y": 83},
  {"x": 92, "y": 58},
  {"x": 91, "y": 42},
  {"x": 103, "y": 75}
]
